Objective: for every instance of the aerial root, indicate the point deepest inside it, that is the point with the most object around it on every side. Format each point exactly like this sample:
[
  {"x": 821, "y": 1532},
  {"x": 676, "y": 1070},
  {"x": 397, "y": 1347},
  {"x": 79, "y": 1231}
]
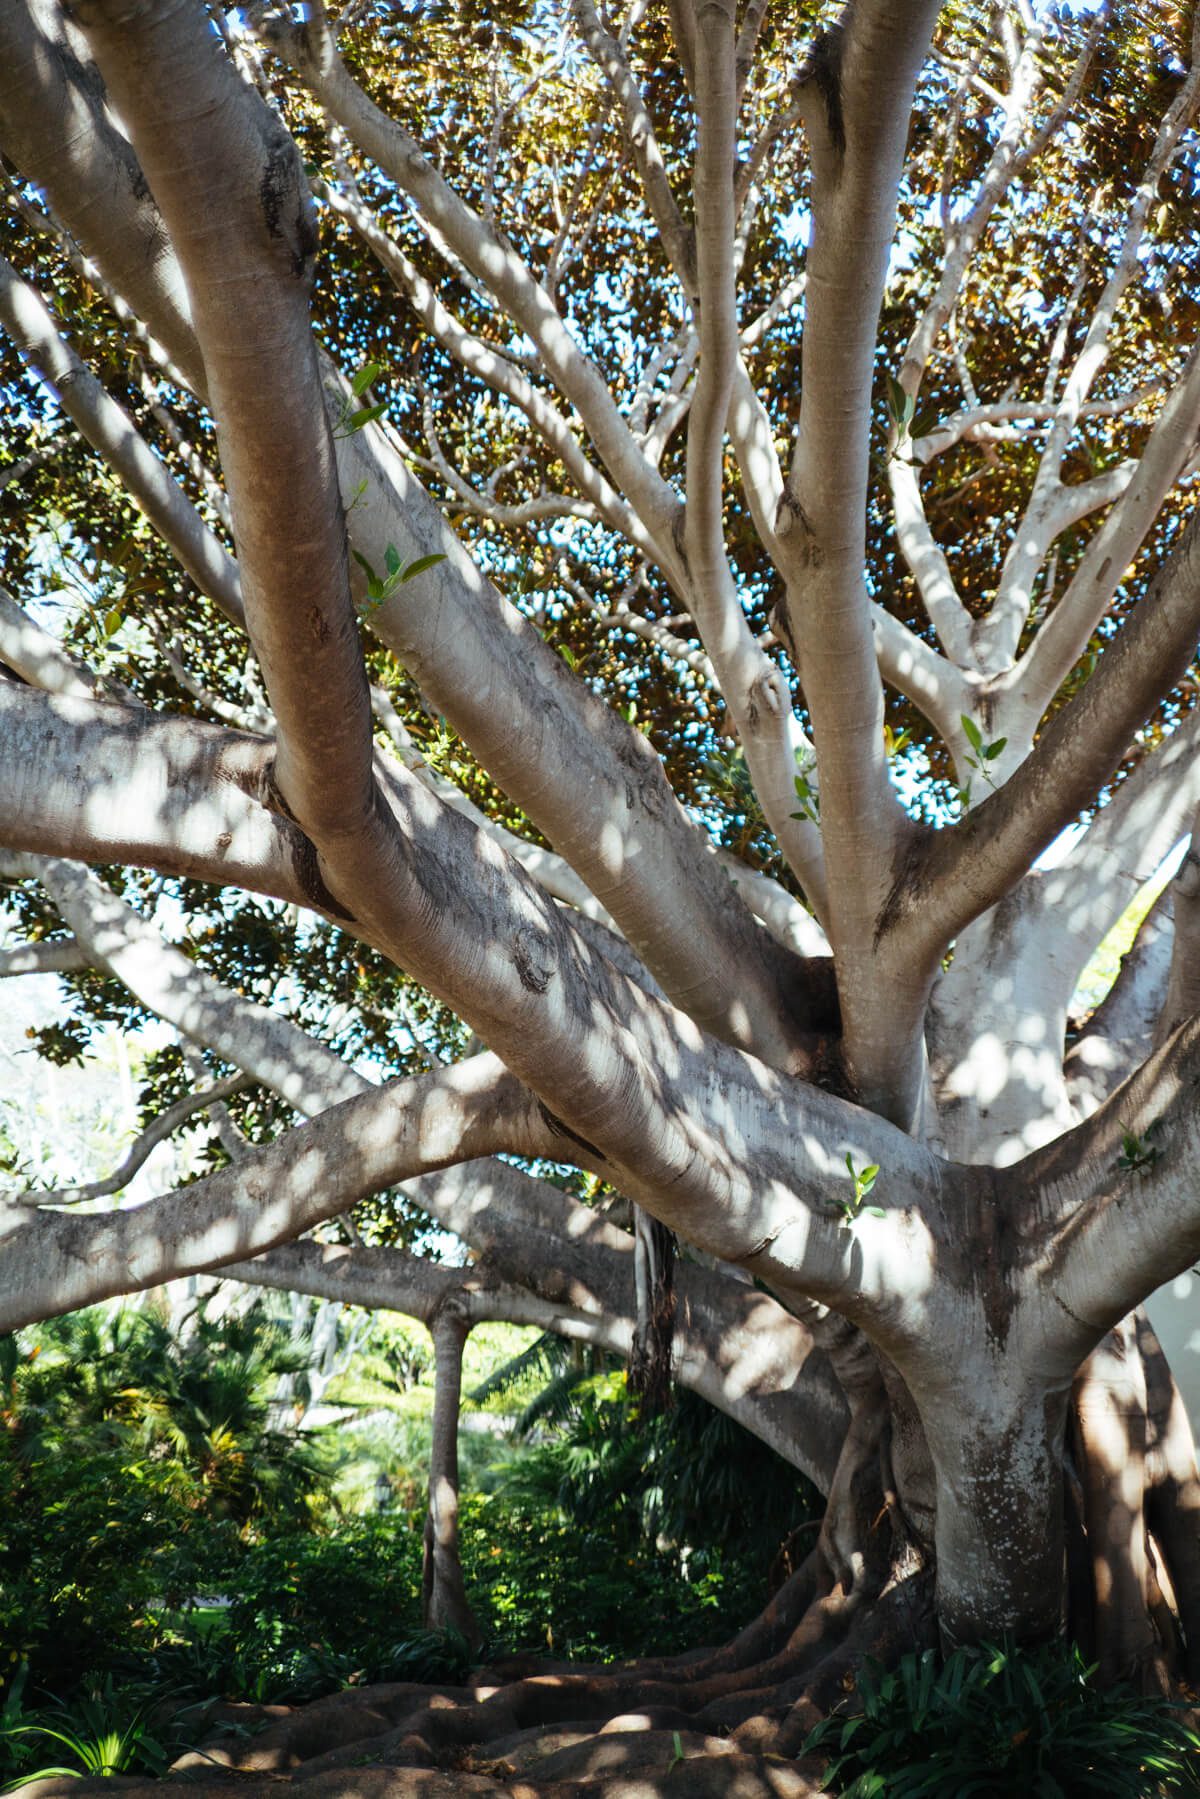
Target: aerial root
[{"x": 1138, "y": 1499}]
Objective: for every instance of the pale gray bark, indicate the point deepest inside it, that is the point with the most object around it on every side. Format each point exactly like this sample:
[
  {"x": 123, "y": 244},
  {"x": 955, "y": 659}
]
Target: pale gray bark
[{"x": 443, "y": 1592}]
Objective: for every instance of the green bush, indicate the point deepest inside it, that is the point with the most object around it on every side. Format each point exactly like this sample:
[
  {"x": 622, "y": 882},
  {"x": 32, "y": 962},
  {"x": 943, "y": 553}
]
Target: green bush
[
  {"x": 136, "y": 1474},
  {"x": 540, "y": 1579},
  {"x": 312, "y": 1612},
  {"x": 993, "y": 1722}
]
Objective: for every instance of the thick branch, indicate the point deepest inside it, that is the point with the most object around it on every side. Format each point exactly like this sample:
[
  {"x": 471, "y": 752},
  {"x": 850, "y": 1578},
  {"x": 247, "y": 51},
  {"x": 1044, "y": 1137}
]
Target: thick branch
[
  {"x": 857, "y": 87},
  {"x": 54, "y": 126},
  {"x": 959, "y": 872},
  {"x": 58, "y": 1261},
  {"x": 1125, "y": 1188},
  {"x": 221, "y": 166}
]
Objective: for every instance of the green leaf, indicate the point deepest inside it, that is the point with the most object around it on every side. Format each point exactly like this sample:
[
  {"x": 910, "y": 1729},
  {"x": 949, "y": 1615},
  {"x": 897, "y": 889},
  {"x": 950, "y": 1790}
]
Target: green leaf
[
  {"x": 992, "y": 750},
  {"x": 366, "y": 415},
  {"x": 391, "y": 560},
  {"x": 900, "y": 405},
  {"x": 364, "y": 565},
  {"x": 369, "y": 372},
  {"x": 112, "y": 621},
  {"x": 420, "y": 565},
  {"x": 973, "y": 733}
]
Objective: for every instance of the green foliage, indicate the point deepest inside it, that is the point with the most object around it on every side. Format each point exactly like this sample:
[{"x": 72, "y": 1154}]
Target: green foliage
[
  {"x": 623, "y": 1534},
  {"x": 396, "y": 573},
  {"x": 104, "y": 1732},
  {"x": 542, "y": 1580},
  {"x": 311, "y": 1613},
  {"x": 982, "y": 754},
  {"x": 864, "y": 1180},
  {"x": 122, "y": 1502},
  {"x": 806, "y": 791},
  {"x": 131, "y": 1464},
  {"x": 988, "y": 1723},
  {"x": 1138, "y": 1154}
]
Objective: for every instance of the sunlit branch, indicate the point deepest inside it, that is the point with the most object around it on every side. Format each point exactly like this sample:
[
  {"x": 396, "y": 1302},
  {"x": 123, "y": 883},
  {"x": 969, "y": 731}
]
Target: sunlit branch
[
  {"x": 164, "y": 1126},
  {"x": 112, "y": 434},
  {"x": 55, "y": 1262},
  {"x": 488, "y": 255},
  {"x": 610, "y": 59},
  {"x": 1000, "y": 632},
  {"x": 57, "y": 955}
]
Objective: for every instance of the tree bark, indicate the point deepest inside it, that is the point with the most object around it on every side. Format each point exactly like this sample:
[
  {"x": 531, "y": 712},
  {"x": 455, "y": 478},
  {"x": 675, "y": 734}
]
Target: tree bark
[{"x": 444, "y": 1603}]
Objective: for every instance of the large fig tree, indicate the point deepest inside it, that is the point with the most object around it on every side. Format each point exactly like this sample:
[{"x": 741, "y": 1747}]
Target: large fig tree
[{"x": 591, "y": 554}]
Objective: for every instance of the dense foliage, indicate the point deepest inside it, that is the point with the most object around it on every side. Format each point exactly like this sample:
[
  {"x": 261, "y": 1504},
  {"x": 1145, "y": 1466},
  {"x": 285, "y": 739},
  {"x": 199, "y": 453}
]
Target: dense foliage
[
  {"x": 160, "y": 1540},
  {"x": 997, "y": 1721}
]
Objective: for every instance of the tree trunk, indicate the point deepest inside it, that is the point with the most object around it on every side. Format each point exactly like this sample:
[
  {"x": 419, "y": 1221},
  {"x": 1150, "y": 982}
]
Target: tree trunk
[{"x": 444, "y": 1597}]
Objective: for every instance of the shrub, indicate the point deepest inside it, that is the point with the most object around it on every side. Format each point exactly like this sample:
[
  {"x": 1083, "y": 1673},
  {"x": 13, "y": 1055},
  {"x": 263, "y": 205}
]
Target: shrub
[{"x": 993, "y": 1722}]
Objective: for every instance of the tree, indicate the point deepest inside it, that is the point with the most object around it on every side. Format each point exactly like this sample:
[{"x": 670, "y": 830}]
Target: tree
[{"x": 675, "y": 513}]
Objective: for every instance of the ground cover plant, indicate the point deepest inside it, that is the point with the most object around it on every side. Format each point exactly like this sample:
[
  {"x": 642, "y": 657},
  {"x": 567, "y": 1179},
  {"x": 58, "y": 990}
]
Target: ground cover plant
[
  {"x": 565, "y": 569},
  {"x": 997, "y": 1720}
]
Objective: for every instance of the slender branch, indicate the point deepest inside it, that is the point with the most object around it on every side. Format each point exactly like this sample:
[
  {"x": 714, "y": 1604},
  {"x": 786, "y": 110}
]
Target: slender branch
[
  {"x": 959, "y": 872},
  {"x": 1062, "y": 638},
  {"x": 490, "y": 257},
  {"x": 610, "y": 59},
  {"x": 262, "y": 1042},
  {"x": 55, "y": 1262},
  {"x": 932, "y": 682},
  {"x": 962, "y": 238},
  {"x": 983, "y": 424},
  {"x": 927, "y": 560},
  {"x": 57, "y": 955},
  {"x": 480, "y": 359},
  {"x": 1000, "y": 632},
  {"x": 164, "y": 1126},
  {"x": 112, "y": 434}
]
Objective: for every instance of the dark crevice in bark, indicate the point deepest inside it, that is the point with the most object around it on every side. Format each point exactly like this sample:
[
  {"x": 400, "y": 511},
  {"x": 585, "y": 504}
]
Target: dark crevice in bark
[{"x": 649, "y": 1374}]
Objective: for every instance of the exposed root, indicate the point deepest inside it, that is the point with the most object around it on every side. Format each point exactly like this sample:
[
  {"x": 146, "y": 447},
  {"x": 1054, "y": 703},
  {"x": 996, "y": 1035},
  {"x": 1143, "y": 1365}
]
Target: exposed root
[{"x": 575, "y": 1736}]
